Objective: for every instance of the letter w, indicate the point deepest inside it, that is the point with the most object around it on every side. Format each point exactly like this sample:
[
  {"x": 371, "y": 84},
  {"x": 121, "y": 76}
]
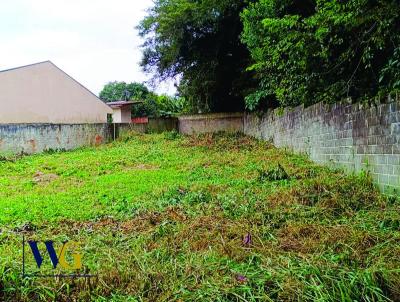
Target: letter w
[{"x": 38, "y": 256}]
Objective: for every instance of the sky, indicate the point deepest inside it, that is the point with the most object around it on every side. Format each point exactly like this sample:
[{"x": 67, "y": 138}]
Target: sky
[{"x": 94, "y": 41}]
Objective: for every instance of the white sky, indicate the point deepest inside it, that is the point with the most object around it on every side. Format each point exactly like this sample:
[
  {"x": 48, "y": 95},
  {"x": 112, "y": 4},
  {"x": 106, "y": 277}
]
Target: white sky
[{"x": 94, "y": 41}]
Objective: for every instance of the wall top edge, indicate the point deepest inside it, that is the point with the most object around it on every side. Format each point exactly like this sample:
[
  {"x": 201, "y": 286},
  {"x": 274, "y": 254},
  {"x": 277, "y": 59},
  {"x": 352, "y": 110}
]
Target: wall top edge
[
  {"x": 211, "y": 116},
  {"x": 48, "y": 124}
]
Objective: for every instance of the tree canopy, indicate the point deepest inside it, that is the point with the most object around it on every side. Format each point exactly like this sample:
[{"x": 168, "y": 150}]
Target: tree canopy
[
  {"x": 310, "y": 51},
  {"x": 231, "y": 53},
  {"x": 121, "y": 91},
  {"x": 199, "y": 41}
]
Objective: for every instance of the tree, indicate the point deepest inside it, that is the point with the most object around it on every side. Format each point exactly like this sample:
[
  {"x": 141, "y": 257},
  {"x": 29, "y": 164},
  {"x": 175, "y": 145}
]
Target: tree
[
  {"x": 310, "y": 51},
  {"x": 199, "y": 41},
  {"x": 118, "y": 91}
]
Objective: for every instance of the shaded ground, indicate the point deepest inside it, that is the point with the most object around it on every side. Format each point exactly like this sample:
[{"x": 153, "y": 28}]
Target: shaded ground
[{"x": 208, "y": 218}]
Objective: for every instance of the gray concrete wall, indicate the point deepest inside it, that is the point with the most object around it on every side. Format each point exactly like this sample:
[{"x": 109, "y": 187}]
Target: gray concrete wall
[
  {"x": 354, "y": 136},
  {"x": 35, "y": 138},
  {"x": 155, "y": 125},
  {"x": 203, "y": 123},
  {"x": 120, "y": 129},
  {"x": 159, "y": 125}
]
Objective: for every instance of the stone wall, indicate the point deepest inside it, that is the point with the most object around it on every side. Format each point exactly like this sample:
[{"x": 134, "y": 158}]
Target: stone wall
[
  {"x": 354, "y": 136},
  {"x": 195, "y": 124},
  {"x": 35, "y": 138}
]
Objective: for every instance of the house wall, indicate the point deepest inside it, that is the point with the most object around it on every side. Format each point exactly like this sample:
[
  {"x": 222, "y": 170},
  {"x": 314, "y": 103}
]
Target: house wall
[
  {"x": 126, "y": 114},
  {"x": 116, "y": 115},
  {"x": 353, "y": 136},
  {"x": 42, "y": 93},
  {"x": 122, "y": 115},
  {"x": 35, "y": 138}
]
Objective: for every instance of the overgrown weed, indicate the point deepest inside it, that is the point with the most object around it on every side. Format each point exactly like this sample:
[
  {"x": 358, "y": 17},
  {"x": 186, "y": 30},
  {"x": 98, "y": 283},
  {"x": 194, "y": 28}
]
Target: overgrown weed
[{"x": 201, "y": 218}]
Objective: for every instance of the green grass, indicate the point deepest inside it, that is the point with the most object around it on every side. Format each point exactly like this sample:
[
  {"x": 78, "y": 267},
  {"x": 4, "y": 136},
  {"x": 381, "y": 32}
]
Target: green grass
[{"x": 208, "y": 218}]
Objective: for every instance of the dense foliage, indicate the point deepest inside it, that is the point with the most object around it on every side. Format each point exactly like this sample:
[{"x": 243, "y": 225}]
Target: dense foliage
[
  {"x": 302, "y": 52},
  {"x": 311, "y": 51},
  {"x": 160, "y": 106},
  {"x": 199, "y": 41},
  {"x": 152, "y": 105}
]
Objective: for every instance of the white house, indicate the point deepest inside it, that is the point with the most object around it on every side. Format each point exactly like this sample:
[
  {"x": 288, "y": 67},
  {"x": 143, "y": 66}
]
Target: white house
[
  {"x": 43, "y": 93},
  {"x": 122, "y": 111}
]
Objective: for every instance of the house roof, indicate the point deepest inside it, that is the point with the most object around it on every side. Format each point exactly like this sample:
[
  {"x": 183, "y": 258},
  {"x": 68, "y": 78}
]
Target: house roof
[
  {"x": 49, "y": 62},
  {"x": 120, "y": 104},
  {"x": 24, "y": 66}
]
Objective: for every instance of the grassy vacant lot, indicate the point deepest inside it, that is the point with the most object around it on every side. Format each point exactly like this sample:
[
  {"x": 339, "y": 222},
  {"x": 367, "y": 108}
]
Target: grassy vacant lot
[{"x": 209, "y": 218}]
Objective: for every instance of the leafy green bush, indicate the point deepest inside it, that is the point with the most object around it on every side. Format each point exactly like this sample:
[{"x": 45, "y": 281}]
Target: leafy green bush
[{"x": 273, "y": 174}]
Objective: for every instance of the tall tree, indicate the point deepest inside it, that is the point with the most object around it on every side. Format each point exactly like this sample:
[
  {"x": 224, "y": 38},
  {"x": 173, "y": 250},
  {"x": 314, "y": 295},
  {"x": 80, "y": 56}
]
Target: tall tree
[{"x": 199, "y": 41}]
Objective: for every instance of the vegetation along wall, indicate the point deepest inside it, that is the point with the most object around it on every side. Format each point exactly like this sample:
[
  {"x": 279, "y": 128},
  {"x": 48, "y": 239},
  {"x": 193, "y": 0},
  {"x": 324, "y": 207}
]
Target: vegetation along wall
[{"x": 354, "y": 136}]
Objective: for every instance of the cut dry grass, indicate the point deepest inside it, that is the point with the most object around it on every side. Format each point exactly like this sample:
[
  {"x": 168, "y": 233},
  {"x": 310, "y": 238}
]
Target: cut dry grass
[{"x": 201, "y": 218}]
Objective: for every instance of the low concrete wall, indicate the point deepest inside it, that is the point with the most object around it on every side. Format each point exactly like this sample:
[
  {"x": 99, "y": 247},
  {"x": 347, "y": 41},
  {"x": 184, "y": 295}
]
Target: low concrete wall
[
  {"x": 35, "y": 138},
  {"x": 159, "y": 125},
  {"x": 121, "y": 129},
  {"x": 354, "y": 136},
  {"x": 155, "y": 125},
  {"x": 203, "y": 123}
]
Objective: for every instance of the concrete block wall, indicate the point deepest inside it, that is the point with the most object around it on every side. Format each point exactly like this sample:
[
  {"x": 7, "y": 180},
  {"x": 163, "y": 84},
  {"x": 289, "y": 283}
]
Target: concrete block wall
[
  {"x": 159, "y": 125},
  {"x": 354, "y": 136},
  {"x": 204, "y": 123},
  {"x": 154, "y": 125},
  {"x": 35, "y": 138}
]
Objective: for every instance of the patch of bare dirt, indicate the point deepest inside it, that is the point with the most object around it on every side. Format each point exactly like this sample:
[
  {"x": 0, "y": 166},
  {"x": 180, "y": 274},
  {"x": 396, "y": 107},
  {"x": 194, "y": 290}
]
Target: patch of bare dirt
[
  {"x": 148, "y": 167},
  {"x": 41, "y": 177}
]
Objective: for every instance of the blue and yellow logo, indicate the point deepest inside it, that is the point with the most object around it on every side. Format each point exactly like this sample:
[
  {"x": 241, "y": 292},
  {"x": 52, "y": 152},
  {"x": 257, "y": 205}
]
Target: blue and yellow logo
[{"x": 67, "y": 257}]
